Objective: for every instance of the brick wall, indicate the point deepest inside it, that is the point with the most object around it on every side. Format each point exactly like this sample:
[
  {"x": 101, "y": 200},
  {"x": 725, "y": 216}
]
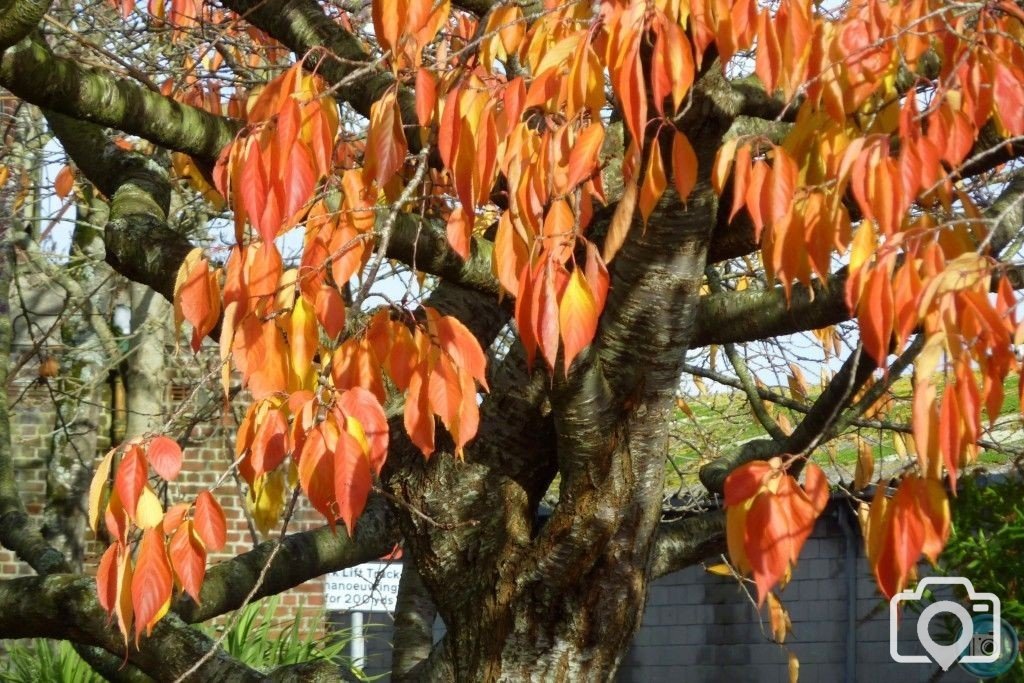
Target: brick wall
[{"x": 208, "y": 454}]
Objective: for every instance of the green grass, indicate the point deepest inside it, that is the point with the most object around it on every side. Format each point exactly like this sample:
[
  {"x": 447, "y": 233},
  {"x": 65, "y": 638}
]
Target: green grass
[{"x": 722, "y": 419}]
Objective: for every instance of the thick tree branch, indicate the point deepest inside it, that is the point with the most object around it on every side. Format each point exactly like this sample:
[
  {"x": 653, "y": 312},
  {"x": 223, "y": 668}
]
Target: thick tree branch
[
  {"x": 33, "y": 73},
  {"x": 139, "y": 243},
  {"x": 757, "y": 314},
  {"x": 414, "y": 625},
  {"x": 684, "y": 542},
  {"x": 64, "y": 606},
  {"x": 302, "y": 556},
  {"x": 18, "y": 18}
]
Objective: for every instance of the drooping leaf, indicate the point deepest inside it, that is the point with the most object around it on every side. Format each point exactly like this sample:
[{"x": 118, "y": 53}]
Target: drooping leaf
[
  {"x": 208, "y": 520},
  {"x": 152, "y": 583},
  {"x": 99, "y": 490},
  {"x": 577, "y": 317},
  {"x": 130, "y": 479},
  {"x": 188, "y": 559}
]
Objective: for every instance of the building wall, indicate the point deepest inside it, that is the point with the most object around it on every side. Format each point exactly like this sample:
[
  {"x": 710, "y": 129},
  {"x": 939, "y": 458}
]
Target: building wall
[{"x": 701, "y": 627}]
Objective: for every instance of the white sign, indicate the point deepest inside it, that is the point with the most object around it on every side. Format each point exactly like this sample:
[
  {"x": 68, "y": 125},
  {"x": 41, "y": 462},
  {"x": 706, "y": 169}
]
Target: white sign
[{"x": 369, "y": 587}]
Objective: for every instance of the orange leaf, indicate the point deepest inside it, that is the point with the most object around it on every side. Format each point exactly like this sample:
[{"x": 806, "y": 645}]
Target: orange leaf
[
  {"x": 188, "y": 559},
  {"x": 583, "y": 159},
  {"x": 330, "y": 311},
  {"x": 152, "y": 583},
  {"x": 123, "y": 606},
  {"x": 684, "y": 166},
  {"x": 352, "y": 480},
  {"x": 419, "y": 421},
  {"x": 597, "y": 276},
  {"x": 385, "y": 143},
  {"x": 131, "y": 478},
  {"x": 64, "y": 182},
  {"x": 622, "y": 219},
  {"x": 464, "y": 349},
  {"x": 654, "y": 185},
  {"x": 577, "y": 317},
  {"x": 545, "y": 310},
  {"x": 364, "y": 407},
  {"x": 459, "y": 230},
  {"x": 316, "y": 470},
  {"x": 165, "y": 456},
  {"x": 426, "y": 96},
  {"x": 209, "y": 522}
]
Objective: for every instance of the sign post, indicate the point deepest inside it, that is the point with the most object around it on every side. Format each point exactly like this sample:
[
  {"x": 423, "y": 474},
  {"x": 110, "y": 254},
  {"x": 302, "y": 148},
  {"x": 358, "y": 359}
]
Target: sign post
[{"x": 368, "y": 587}]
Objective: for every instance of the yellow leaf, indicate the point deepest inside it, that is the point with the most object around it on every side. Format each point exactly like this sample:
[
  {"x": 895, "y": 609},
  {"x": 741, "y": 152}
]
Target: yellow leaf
[
  {"x": 684, "y": 407},
  {"x": 779, "y": 618},
  {"x": 864, "y": 245},
  {"x": 865, "y": 464},
  {"x": 900, "y": 444},
  {"x": 577, "y": 317},
  {"x": 99, "y": 490},
  {"x": 794, "y": 668},
  {"x": 355, "y": 429},
  {"x": 723, "y": 165},
  {"x": 303, "y": 341},
  {"x": 720, "y": 569},
  {"x": 149, "y": 512},
  {"x": 266, "y": 500}
]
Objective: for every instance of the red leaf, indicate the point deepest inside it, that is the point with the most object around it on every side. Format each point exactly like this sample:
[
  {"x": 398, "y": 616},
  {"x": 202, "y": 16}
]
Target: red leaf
[
  {"x": 164, "y": 455},
  {"x": 152, "y": 582},
  {"x": 352, "y": 480},
  {"x": 767, "y": 542},
  {"x": 188, "y": 559},
  {"x": 106, "y": 578},
  {"x": 364, "y": 407},
  {"x": 744, "y": 482},
  {"x": 209, "y": 522},
  {"x": 269, "y": 444},
  {"x": 131, "y": 478}
]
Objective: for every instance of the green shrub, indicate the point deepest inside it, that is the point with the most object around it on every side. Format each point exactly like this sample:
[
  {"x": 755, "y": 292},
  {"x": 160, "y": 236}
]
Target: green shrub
[
  {"x": 987, "y": 547},
  {"x": 262, "y": 642},
  {"x": 44, "y": 661}
]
